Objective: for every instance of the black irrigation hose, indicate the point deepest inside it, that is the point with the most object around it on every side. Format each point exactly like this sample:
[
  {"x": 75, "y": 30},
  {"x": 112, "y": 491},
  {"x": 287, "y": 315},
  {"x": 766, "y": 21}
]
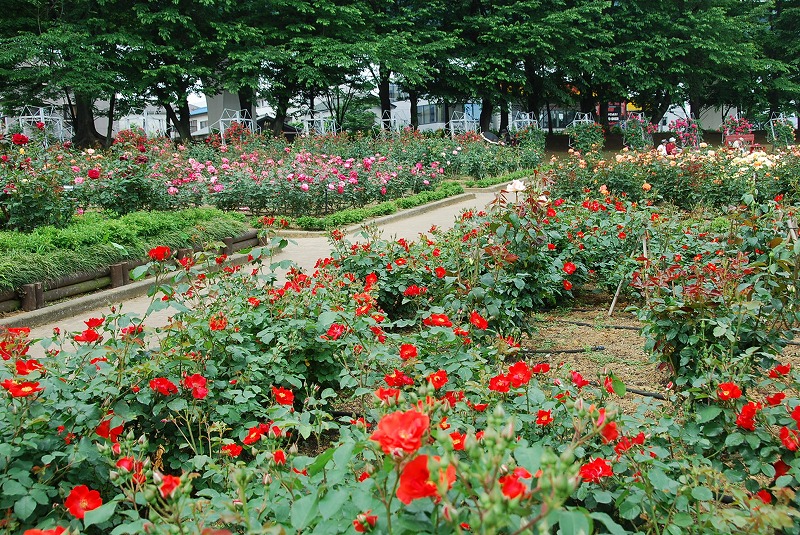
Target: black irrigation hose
[
  {"x": 586, "y": 350},
  {"x": 584, "y": 324}
]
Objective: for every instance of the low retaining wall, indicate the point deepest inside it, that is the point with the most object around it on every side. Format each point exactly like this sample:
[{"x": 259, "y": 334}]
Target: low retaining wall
[{"x": 37, "y": 295}]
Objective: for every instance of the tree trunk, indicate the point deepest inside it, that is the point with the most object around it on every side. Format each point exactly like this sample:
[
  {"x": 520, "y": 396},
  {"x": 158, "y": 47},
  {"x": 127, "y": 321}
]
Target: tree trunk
[
  {"x": 447, "y": 129},
  {"x": 246, "y": 101},
  {"x": 413, "y": 97},
  {"x": 485, "y": 122},
  {"x": 110, "y": 129},
  {"x": 184, "y": 115},
  {"x": 549, "y": 119},
  {"x": 280, "y": 115},
  {"x": 86, "y": 134},
  {"x": 383, "y": 93},
  {"x": 503, "y": 115}
]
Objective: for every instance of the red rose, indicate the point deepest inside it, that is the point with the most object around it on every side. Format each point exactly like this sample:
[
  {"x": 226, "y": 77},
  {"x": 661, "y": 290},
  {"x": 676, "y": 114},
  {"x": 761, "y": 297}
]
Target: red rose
[
  {"x": 283, "y": 396},
  {"x": 543, "y": 367},
  {"x": 544, "y": 417},
  {"x": 169, "y": 484},
  {"x": 58, "y": 530},
  {"x": 746, "y": 418},
  {"x": 438, "y": 320},
  {"x": 163, "y": 386},
  {"x": 511, "y": 486},
  {"x": 217, "y": 322},
  {"x": 478, "y": 321},
  {"x": 594, "y": 471},
  {"x": 82, "y": 499},
  {"x": 415, "y": 480},
  {"x": 414, "y": 290},
  {"x": 609, "y": 432},
  {"x": 364, "y": 522},
  {"x": 19, "y": 139},
  {"x": 105, "y": 430},
  {"x": 253, "y": 436},
  {"x": 89, "y": 336},
  {"x": 407, "y": 351},
  {"x": 21, "y": 390},
  {"x": 24, "y": 367},
  {"x": 726, "y": 391},
  {"x": 459, "y": 439},
  {"x": 567, "y": 285},
  {"x": 519, "y": 374},
  {"x": 385, "y": 394},
  {"x": 438, "y": 379},
  {"x": 500, "y": 383},
  {"x": 232, "y": 450},
  {"x": 93, "y": 323},
  {"x": 440, "y": 272},
  {"x": 578, "y": 380},
  {"x": 93, "y": 173},
  {"x": 401, "y": 432},
  {"x": 160, "y": 253},
  {"x": 197, "y": 384},
  {"x": 569, "y": 268},
  {"x": 789, "y": 438}
]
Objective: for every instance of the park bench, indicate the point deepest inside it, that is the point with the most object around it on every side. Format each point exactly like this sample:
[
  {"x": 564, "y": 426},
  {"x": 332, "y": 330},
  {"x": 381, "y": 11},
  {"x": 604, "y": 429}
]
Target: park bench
[{"x": 745, "y": 142}]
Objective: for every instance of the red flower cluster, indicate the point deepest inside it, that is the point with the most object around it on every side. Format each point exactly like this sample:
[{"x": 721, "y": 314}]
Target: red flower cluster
[
  {"x": 364, "y": 522},
  {"x": 726, "y": 391},
  {"x": 163, "y": 386},
  {"x": 414, "y": 290},
  {"x": 415, "y": 480},
  {"x": 218, "y": 322},
  {"x": 398, "y": 379},
  {"x": 595, "y": 470},
  {"x": 19, "y": 139},
  {"x": 747, "y": 417},
  {"x": 169, "y": 484},
  {"x": 401, "y": 433},
  {"x": 197, "y": 384},
  {"x": 512, "y": 487}
]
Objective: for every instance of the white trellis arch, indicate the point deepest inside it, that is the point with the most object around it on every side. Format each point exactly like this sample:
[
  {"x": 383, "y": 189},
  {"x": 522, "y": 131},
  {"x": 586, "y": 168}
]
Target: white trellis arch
[
  {"x": 580, "y": 118},
  {"x": 50, "y": 117},
  {"x": 319, "y": 126},
  {"x": 394, "y": 122},
  {"x": 461, "y": 123},
  {"x": 230, "y": 117},
  {"x": 776, "y": 119},
  {"x": 524, "y": 120}
]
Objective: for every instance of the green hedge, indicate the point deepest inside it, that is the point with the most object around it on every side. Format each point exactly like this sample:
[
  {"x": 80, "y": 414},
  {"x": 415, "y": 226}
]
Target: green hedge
[
  {"x": 493, "y": 181},
  {"x": 94, "y": 241},
  {"x": 349, "y": 217}
]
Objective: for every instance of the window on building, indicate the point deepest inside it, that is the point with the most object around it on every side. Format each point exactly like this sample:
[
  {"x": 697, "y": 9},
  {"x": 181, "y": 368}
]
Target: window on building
[
  {"x": 395, "y": 93},
  {"x": 430, "y": 113},
  {"x": 193, "y": 125},
  {"x": 203, "y": 124}
]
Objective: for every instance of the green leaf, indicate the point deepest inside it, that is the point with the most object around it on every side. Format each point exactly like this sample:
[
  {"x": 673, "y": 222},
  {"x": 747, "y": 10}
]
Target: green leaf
[
  {"x": 612, "y": 527},
  {"x": 139, "y": 272},
  {"x": 662, "y": 481},
  {"x": 618, "y": 386},
  {"x": 702, "y": 494},
  {"x": 708, "y": 413},
  {"x": 629, "y": 509},
  {"x": 332, "y": 502},
  {"x": 24, "y": 507},
  {"x": 99, "y": 515},
  {"x": 575, "y": 523},
  {"x": 303, "y": 510}
]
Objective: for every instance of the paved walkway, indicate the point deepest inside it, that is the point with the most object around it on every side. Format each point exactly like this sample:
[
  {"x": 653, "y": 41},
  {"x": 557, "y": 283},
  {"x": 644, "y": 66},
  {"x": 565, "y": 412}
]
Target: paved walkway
[{"x": 304, "y": 251}]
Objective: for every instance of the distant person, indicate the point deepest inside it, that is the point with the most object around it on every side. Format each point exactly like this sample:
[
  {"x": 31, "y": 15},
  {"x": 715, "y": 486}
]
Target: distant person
[
  {"x": 662, "y": 148},
  {"x": 672, "y": 148}
]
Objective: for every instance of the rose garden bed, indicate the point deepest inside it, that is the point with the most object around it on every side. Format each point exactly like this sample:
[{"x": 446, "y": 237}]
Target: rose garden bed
[{"x": 420, "y": 386}]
